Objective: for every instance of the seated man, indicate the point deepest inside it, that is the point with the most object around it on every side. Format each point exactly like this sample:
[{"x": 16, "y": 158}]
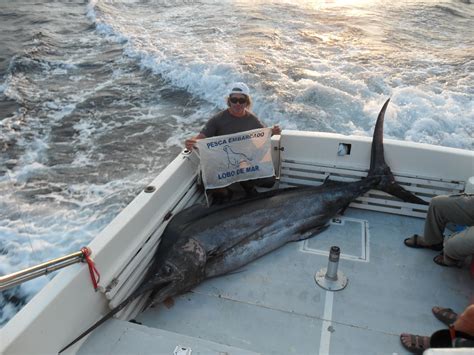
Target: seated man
[
  {"x": 458, "y": 209},
  {"x": 236, "y": 118}
]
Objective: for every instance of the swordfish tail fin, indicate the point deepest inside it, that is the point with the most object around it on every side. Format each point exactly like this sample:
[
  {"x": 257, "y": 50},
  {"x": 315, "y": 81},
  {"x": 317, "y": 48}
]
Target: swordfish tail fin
[{"x": 379, "y": 168}]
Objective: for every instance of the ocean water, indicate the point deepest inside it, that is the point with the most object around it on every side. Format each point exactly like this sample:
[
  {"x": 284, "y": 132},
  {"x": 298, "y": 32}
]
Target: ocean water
[{"x": 96, "y": 98}]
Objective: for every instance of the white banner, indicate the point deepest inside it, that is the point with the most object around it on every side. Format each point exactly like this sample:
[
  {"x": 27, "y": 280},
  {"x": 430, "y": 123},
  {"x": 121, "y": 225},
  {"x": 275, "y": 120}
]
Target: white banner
[{"x": 236, "y": 157}]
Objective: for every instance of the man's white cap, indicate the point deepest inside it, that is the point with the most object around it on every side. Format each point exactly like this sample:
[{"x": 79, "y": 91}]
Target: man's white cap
[{"x": 239, "y": 88}]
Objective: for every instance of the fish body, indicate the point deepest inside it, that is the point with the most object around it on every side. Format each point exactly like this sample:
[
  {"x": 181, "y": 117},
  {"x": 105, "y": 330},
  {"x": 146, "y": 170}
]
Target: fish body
[{"x": 238, "y": 233}]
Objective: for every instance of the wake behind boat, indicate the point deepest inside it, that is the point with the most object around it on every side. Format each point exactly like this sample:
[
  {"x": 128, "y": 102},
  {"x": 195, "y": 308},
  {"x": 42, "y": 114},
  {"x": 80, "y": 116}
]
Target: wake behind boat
[{"x": 279, "y": 289}]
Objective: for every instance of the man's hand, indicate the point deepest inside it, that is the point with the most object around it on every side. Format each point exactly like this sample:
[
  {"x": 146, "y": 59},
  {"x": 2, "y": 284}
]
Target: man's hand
[
  {"x": 189, "y": 143},
  {"x": 276, "y": 130}
]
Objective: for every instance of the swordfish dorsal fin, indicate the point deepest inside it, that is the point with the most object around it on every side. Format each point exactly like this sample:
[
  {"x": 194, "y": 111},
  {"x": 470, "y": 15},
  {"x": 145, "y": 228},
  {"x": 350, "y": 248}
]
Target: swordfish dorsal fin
[{"x": 379, "y": 168}]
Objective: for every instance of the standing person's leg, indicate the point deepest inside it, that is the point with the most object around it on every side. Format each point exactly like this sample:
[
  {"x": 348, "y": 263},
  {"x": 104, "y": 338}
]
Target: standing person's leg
[{"x": 457, "y": 209}]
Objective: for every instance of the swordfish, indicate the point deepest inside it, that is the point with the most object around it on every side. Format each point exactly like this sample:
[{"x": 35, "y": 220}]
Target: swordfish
[{"x": 201, "y": 242}]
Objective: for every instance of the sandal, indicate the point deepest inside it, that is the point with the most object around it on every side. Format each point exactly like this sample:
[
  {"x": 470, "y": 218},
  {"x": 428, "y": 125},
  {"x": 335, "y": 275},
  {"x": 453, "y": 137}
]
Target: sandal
[
  {"x": 415, "y": 343},
  {"x": 439, "y": 259},
  {"x": 445, "y": 315},
  {"x": 413, "y": 242}
]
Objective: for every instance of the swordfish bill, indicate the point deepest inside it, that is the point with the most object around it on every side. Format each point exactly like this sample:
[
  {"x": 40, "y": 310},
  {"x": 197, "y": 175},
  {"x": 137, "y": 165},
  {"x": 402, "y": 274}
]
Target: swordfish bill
[{"x": 202, "y": 242}]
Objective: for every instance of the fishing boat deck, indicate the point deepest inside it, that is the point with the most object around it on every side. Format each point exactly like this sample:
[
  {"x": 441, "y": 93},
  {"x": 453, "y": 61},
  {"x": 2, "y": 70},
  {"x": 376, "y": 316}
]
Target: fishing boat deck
[{"x": 274, "y": 306}]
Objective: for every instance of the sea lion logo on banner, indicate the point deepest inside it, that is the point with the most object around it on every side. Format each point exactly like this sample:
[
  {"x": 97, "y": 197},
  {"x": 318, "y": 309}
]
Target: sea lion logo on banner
[{"x": 236, "y": 157}]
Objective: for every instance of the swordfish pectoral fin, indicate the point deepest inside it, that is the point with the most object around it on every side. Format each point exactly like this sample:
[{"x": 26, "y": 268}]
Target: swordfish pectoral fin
[
  {"x": 309, "y": 233},
  {"x": 311, "y": 227}
]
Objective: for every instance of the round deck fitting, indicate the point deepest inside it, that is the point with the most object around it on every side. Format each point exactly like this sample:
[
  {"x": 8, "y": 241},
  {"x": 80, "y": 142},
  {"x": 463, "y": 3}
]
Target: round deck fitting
[
  {"x": 150, "y": 189},
  {"x": 331, "y": 285}
]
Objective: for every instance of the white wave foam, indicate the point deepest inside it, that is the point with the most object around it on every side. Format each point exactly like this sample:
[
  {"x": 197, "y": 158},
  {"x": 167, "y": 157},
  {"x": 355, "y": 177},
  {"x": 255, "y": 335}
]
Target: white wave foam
[
  {"x": 36, "y": 231},
  {"x": 322, "y": 92}
]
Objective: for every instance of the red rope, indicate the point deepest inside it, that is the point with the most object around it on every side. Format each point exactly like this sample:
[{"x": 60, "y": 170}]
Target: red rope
[{"x": 95, "y": 276}]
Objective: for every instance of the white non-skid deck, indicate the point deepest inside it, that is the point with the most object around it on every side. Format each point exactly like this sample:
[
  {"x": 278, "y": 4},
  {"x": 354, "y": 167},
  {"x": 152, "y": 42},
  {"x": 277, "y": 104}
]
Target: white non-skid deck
[{"x": 273, "y": 305}]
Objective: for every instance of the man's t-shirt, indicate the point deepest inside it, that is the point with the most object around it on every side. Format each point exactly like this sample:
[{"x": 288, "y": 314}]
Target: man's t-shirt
[{"x": 225, "y": 123}]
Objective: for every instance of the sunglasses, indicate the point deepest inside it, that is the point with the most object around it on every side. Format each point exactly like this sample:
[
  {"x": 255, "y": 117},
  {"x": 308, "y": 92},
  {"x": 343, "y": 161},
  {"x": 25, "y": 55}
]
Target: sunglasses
[{"x": 235, "y": 100}]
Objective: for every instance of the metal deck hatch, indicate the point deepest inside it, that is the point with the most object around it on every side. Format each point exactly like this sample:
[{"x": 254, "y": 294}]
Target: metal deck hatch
[{"x": 350, "y": 234}]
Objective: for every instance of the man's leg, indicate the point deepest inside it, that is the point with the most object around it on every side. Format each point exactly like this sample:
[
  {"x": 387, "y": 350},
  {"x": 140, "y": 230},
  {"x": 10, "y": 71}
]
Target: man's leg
[
  {"x": 249, "y": 185},
  {"x": 220, "y": 195},
  {"x": 457, "y": 209}
]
